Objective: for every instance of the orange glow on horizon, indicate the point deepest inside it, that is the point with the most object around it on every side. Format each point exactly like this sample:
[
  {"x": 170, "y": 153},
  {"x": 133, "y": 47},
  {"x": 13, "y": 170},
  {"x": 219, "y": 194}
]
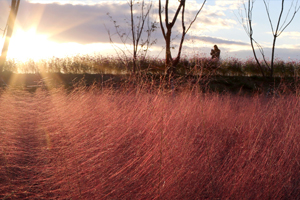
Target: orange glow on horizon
[{"x": 25, "y": 45}]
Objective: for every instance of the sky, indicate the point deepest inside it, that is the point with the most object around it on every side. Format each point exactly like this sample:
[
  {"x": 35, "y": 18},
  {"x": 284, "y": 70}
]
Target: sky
[{"x": 47, "y": 28}]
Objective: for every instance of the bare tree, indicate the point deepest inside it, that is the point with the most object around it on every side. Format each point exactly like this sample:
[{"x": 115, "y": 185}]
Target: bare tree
[
  {"x": 171, "y": 63},
  {"x": 140, "y": 31},
  {"x": 246, "y": 16},
  {"x": 9, "y": 31},
  {"x": 247, "y": 24}
]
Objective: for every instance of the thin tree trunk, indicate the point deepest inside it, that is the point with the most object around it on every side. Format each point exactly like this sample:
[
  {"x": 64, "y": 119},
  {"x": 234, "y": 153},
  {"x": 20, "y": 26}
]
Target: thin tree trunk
[
  {"x": 273, "y": 54},
  {"x": 257, "y": 61},
  {"x": 9, "y": 32},
  {"x": 133, "y": 37},
  {"x": 168, "y": 53}
]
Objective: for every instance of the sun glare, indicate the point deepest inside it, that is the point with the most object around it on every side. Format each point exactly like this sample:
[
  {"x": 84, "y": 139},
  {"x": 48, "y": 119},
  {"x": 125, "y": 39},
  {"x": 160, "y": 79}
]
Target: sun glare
[{"x": 26, "y": 45}]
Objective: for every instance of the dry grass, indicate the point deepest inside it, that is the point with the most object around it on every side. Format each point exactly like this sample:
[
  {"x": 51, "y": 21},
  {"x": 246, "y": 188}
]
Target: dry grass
[
  {"x": 107, "y": 144},
  {"x": 195, "y": 65}
]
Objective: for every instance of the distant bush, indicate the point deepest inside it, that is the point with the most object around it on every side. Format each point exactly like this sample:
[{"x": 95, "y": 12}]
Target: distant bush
[{"x": 232, "y": 67}]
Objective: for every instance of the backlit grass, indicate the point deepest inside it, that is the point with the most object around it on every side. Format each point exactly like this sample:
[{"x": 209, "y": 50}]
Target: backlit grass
[
  {"x": 196, "y": 65},
  {"x": 132, "y": 144}
]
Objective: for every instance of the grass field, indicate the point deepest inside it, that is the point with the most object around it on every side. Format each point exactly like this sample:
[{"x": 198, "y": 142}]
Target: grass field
[
  {"x": 92, "y": 143},
  {"x": 193, "y": 65}
]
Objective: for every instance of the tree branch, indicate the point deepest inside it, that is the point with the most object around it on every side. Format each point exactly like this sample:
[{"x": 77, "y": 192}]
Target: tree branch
[
  {"x": 160, "y": 19},
  {"x": 182, "y": 2},
  {"x": 267, "y": 7},
  {"x": 195, "y": 16},
  {"x": 295, "y": 12}
]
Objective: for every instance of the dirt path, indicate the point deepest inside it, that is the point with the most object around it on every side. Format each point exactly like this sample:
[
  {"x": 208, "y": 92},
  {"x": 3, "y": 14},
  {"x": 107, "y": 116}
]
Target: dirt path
[{"x": 26, "y": 163}]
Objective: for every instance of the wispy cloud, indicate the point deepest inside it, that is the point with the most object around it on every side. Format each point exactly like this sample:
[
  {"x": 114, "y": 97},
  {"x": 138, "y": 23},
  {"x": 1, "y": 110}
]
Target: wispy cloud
[
  {"x": 219, "y": 41},
  {"x": 72, "y": 23},
  {"x": 73, "y": 2},
  {"x": 291, "y": 35},
  {"x": 228, "y": 5}
]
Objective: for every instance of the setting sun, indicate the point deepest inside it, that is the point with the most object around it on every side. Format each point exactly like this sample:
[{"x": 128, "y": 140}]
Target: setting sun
[{"x": 29, "y": 45}]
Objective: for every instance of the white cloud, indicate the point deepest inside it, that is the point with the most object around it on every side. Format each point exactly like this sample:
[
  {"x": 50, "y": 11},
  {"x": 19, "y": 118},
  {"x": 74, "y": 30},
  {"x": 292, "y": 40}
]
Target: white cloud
[
  {"x": 73, "y": 2},
  {"x": 287, "y": 46},
  {"x": 228, "y": 5},
  {"x": 291, "y": 35}
]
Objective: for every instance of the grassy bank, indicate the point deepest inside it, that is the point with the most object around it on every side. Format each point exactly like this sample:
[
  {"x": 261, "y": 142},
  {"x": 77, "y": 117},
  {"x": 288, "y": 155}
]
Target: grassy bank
[{"x": 242, "y": 85}]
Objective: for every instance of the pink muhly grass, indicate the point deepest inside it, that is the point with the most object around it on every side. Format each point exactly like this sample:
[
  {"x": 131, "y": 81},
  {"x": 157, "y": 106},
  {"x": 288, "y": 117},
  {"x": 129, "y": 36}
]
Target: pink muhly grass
[{"x": 92, "y": 144}]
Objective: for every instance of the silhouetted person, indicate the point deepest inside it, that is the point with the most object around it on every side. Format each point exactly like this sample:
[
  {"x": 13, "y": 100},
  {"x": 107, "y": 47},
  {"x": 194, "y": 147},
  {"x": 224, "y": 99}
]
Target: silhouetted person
[{"x": 215, "y": 53}]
